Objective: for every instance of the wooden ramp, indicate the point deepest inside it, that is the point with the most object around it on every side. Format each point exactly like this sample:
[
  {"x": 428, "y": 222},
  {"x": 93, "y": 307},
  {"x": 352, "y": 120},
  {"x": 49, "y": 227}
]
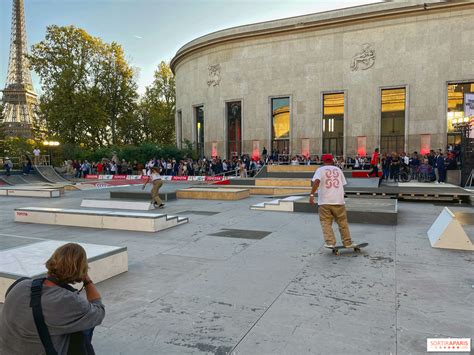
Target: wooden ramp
[{"x": 213, "y": 193}]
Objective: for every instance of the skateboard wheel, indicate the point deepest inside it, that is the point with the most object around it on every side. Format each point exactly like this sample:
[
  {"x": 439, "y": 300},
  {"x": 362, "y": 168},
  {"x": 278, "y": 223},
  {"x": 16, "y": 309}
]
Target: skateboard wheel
[{"x": 357, "y": 250}]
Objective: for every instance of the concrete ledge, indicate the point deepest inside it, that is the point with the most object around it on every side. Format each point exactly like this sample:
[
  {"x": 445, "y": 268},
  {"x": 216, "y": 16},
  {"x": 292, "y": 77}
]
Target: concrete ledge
[
  {"x": 366, "y": 211},
  {"x": 117, "y": 204},
  {"x": 102, "y": 219},
  {"x": 28, "y": 261},
  {"x": 273, "y": 190},
  {"x": 213, "y": 193},
  {"x": 31, "y": 192},
  {"x": 141, "y": 195}
]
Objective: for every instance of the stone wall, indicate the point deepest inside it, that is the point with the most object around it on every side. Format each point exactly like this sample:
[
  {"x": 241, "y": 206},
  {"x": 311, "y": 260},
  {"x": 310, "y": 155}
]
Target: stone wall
[{"x": 421, "y": 53}]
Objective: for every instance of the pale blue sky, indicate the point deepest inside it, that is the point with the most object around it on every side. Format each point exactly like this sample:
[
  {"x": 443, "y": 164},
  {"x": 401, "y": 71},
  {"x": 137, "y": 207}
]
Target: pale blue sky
[{"x": 150, "y": 30}]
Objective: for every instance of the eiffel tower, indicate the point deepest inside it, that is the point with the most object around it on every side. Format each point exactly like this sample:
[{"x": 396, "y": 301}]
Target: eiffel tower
[{"x": 19, "y": 98}]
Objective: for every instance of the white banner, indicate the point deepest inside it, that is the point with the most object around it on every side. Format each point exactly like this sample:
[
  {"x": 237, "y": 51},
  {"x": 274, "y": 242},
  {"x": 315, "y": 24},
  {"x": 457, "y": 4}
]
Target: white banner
[{"x": 469, "y": 104}]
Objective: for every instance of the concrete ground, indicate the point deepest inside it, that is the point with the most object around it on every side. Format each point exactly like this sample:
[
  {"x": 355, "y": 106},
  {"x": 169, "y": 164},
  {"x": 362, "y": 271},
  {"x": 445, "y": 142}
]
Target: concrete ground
[{"x": 188, "y": 292}]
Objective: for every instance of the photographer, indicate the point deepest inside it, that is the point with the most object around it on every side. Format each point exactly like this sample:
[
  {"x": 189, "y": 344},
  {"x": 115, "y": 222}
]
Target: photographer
[{"x": 50, "y": 307}]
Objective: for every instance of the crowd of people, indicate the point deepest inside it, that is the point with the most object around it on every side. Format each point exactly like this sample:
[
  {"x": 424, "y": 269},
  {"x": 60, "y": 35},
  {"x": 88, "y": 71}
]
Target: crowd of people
[
  {"x": 425, "y": 167},
  {"x": 422, "y": 167},
  {"x": 242, "y": 166}
]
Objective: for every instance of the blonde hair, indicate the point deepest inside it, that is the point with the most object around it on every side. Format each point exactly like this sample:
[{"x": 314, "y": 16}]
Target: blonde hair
[{"x": 68, "y": 263}]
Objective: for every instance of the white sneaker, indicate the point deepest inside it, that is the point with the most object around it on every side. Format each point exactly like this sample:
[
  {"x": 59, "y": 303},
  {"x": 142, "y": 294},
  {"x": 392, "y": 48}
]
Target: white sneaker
[
  {"x": 352, "y": 245},
  {"x": 329, "y": 245}
]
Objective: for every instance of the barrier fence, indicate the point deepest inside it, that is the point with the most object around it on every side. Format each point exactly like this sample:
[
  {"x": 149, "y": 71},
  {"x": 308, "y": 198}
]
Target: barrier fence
[{"x": 163, "y": 177}]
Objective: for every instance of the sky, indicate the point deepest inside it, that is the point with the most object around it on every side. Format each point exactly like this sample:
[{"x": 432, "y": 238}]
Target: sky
[{"x": 150, "y": 30}]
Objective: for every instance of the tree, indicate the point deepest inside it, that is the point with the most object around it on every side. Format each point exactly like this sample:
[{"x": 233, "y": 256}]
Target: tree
[
  {"x": 88, "y": 87},
  {"x": 118, "y": 92},
  {"x": 157, "y": 107}
]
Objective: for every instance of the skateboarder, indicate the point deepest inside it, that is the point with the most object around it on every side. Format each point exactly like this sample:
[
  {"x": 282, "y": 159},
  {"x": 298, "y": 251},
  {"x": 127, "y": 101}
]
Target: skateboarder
[
  {"x": 329, "y": 181},
  {"x": 155, "y": 177}
]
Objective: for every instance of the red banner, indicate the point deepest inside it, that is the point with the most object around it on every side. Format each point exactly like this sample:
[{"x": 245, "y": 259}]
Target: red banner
[{"x": 92, "y": 176}]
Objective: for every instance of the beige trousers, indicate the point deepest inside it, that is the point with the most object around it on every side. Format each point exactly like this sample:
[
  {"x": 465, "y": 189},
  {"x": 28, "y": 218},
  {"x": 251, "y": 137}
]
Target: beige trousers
[
  {"x": 155, "y": 192},
  {"x": 329, "y": 213}
]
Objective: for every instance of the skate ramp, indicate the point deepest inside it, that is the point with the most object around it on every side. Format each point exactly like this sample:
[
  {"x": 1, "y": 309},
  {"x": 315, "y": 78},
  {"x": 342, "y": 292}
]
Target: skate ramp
[
  {"x": 49, "y": 174},
  {"x": 447, "y": 231}
]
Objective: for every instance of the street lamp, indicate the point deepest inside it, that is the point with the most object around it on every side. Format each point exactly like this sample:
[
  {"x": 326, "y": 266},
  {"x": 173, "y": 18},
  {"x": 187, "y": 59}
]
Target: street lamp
[{"x": 50, "y": 144}]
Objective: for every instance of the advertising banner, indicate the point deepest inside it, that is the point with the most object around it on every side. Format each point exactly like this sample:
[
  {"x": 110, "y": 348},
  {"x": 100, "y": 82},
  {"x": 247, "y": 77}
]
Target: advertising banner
[{"x": 163, "y": 177}]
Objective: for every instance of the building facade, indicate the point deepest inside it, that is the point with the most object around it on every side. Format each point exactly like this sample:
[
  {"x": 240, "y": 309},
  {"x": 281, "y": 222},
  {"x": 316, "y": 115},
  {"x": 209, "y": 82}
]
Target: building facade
[{"x": 393, "y": 75}]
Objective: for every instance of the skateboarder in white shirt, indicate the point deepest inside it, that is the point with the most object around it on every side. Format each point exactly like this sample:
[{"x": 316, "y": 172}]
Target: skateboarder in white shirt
[{"x": 329, "y": 180}]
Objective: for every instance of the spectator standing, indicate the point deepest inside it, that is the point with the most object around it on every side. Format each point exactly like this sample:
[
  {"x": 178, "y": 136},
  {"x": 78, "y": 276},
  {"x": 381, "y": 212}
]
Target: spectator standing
[
  {"x": 113, "y": 168},
  {"x": 374, "y": 163},
  {"x": 385, "y": 162},
  {"x": 8, "y": 165},
  {"x": 36, "y": 153},
  {"x": 27, "y": 166},
  {"x": 395, "y": 167},
  {"x": 440, "y": 168},
  {"x": 414, "y": 164},
  {"x": 100, "y": 168}
]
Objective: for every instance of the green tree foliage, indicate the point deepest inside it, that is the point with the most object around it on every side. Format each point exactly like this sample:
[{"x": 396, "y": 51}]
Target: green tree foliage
[
  {"x": 89, "y": 90},
  {"x": 157, "y": 107}
]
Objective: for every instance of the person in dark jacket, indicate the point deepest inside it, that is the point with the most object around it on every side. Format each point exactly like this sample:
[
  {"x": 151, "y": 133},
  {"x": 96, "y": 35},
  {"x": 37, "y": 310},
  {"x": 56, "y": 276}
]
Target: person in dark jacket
[{"x": 440, "y": 168}]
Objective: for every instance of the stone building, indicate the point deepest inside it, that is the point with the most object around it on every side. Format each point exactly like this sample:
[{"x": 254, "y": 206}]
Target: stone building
[{"x": 394, "y": 75}]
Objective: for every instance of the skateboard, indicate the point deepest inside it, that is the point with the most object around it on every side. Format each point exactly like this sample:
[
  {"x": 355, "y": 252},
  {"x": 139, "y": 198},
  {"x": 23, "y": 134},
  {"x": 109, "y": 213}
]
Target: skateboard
[{"x": 356, "y": 247}]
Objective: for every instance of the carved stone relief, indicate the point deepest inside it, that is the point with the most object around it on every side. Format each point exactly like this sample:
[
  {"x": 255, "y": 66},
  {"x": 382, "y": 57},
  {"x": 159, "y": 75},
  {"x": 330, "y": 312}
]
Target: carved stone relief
[
  {"x": 214, "y": 75},
  {"x": 365, "y": 59}
]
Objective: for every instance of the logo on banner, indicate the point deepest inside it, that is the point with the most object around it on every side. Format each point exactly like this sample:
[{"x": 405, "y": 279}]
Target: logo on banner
[
  {"x": 446, "y": 345},
  {"x": 179, "y": 178},
  {"x": 213, "y": 178}
]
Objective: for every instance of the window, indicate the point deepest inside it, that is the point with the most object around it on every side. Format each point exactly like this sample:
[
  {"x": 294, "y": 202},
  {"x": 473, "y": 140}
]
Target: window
[
  {"x": 333, "y": 123},
  {"x": 281, "y": 125},
  {"x": 179, "y": 129},
  {"x": 199, "y": 138},
  {"x": 456, "y": 99},
  {"x": 234, "y": 129},
  {"x": 392, "y": 132}
]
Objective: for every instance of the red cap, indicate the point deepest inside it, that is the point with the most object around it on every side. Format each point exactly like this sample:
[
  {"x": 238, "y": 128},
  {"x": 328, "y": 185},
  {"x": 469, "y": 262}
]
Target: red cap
[{"x": 327, "y": 158}]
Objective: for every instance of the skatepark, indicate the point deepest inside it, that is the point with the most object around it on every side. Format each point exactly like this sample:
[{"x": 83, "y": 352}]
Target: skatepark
[{"x": 241, "y": 268}]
